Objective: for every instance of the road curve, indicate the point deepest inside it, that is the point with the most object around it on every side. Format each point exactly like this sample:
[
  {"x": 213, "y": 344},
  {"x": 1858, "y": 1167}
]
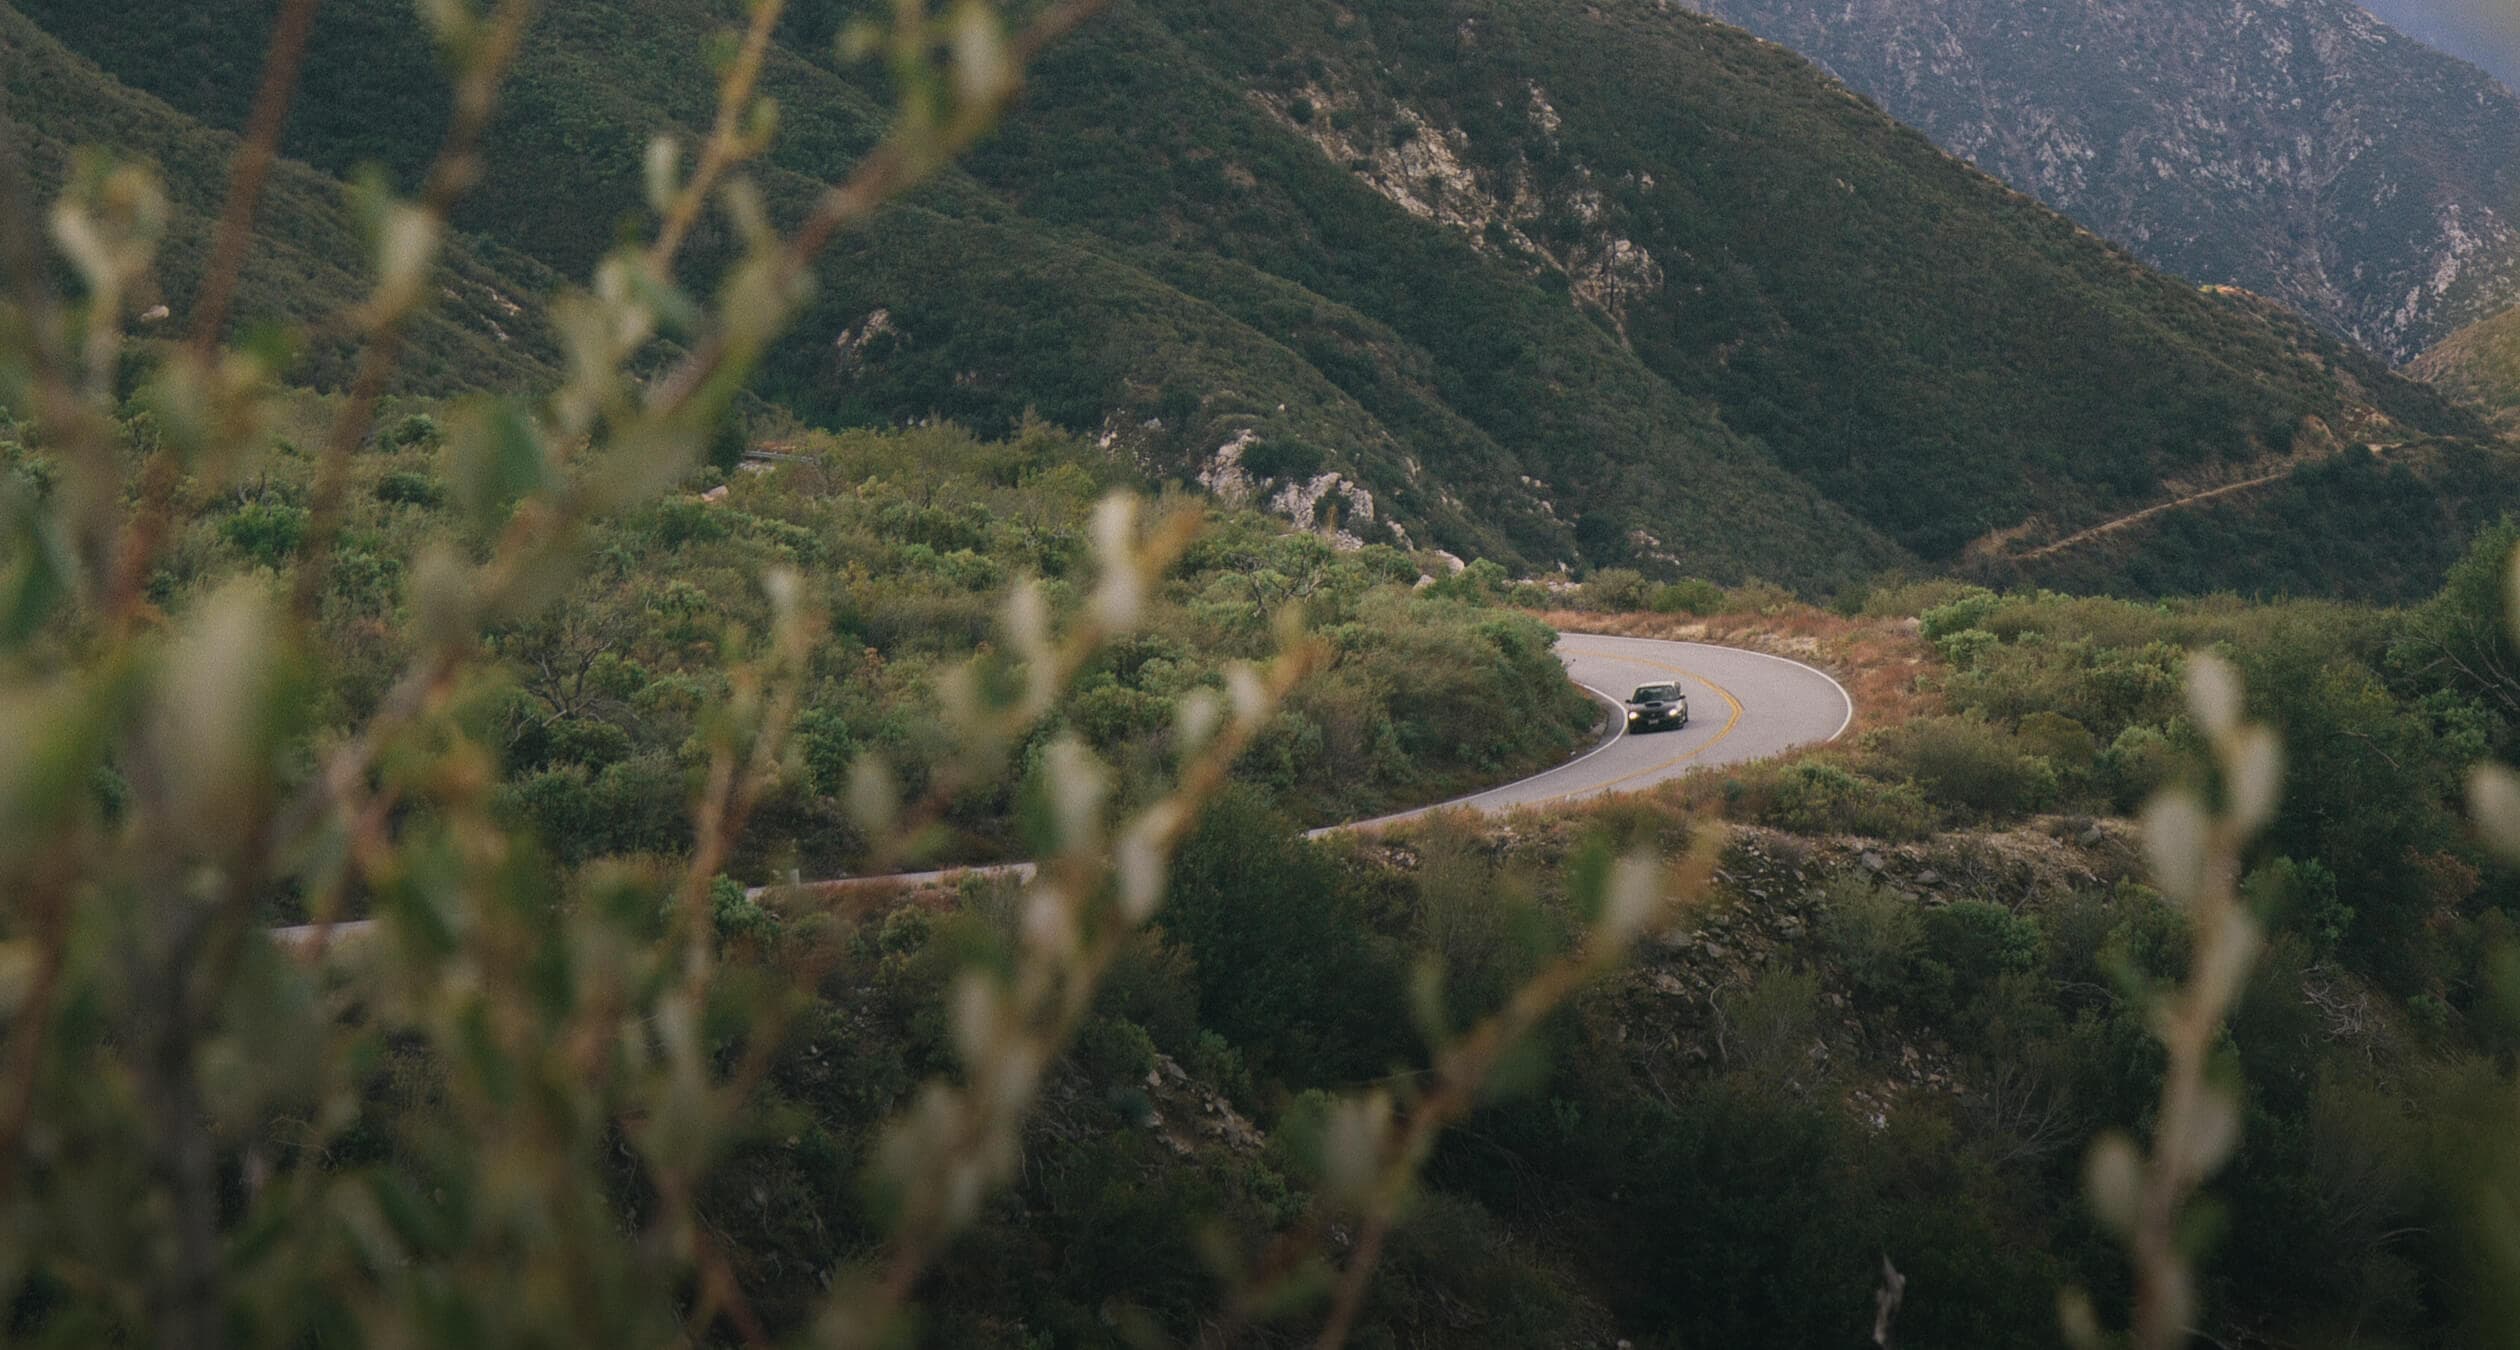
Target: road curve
[{"x": 1743, "y": 705}]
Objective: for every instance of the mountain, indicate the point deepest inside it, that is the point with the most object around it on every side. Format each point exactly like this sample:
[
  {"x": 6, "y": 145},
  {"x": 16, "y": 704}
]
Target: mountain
[
  {"x": 1615, "y": 284},
  {"x": 2481, "y": 31},
  {"x": 2480, "y": 364},
  {"x": 2301, "y": 149},
  {"x": 311, "y": 266}
]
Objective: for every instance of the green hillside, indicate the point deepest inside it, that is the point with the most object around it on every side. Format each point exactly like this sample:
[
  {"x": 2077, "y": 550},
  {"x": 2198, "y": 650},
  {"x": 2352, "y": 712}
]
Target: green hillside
[
  {"x": 2480, "y": 364},
  {"x": 1617, "y": 286},
  {"x": 309, "y": 266},
  {"x": 2132, "y": 961}
]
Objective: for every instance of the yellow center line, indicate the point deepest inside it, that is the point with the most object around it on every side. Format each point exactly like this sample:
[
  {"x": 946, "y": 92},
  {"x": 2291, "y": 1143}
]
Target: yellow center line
[{"x": 1711, "y": 742}]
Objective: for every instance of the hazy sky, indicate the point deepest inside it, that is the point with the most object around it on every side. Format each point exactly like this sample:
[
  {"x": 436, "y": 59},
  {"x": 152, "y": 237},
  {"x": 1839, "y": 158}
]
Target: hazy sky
[{"x": 2486, "y": 32}]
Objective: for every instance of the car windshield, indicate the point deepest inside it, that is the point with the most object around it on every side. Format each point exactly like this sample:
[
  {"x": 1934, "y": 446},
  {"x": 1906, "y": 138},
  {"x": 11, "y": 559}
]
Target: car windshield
[{"x": 1656, "y": 693}]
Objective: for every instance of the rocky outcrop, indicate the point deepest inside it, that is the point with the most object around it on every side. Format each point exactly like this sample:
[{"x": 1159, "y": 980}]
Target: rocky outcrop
[
  {"x": 1493, "y": 195},
  {"x": 2301, "y": 149}
]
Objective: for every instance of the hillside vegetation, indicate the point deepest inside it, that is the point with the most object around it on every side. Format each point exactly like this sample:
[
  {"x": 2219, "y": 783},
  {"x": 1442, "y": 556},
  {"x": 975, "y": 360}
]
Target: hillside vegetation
[
  {"x": 1621, "y": 286},
  {"x": 598, "y": 734},
  {"x": 1913, "y": 1035},
  {"x": 2481, "y": 365},
  {"x": 489, "y": 332}
]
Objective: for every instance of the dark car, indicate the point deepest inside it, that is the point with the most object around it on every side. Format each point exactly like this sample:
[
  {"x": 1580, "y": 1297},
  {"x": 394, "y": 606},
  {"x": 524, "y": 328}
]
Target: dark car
[{"x": 1657, "y": 707}]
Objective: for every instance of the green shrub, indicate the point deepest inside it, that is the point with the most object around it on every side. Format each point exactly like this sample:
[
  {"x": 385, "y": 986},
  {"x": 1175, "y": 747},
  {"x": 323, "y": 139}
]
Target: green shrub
[
  {"x": 1871, "y": 934},
  {"x": 1288, "y": 968},
  {"x": 1615, "y": 590},
  {"x": 2302, "y": 898},
  {"x": 1969, "y": 610},
  {"x": 1816, "y": 797},
  {"x": 2058, "y": 739},
  {"x": 1479, "y": 583},
  {"x": 1282, "y": 457},
  {"x": 1967, "y": 764},
  {"x": 1114, "y": 1050},
  {"x": 586, "y": 740},
  {"x": 905, "y": 930},
  {"x": 1930, "y": 962},
  {"x": 403, "y": 488},
  {"x": 1895, "y": 597},
  {"x": 2136, "y": 765},
  {"x": 1759, "y": 597},
  {"x": 737, "y": 917},
  {"x": 1968, "y": 947},
  {"x": 1689, "y": 595},
  {"x": 1964, "y": 648},
  {"x": 267, "y": 533},
  {"x": 419, "y": 431}
]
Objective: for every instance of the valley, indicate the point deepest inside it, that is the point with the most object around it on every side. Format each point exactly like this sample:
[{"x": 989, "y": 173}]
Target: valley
[{"x": 1043, "y": 673}]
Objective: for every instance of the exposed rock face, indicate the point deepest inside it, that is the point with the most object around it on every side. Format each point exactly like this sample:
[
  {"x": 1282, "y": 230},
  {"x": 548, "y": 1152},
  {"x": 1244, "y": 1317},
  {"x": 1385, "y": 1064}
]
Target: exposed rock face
[
  {"x": 1428, "y": 171},
  {"x": 2466, "y": 29},
  {"x": 2301, "y": 149},
  {"x": 1330, "y": 503}
]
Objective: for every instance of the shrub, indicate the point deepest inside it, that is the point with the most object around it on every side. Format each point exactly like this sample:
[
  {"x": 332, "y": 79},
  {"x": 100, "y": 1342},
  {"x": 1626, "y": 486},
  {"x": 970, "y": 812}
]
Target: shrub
[
  {"x": 402, "y": 488},
  {"x": 1871, "y": 933},
  {"x": 1769, "y": 1028},
  {"x": 1970, "y": 610},
  {"x": 1962, "y": 649},
  {"x": 2136, "y": 765},
  {"x": 419, "y": 431},
  {"x": 1287, "y": 967},
  {"x": 679, "y": 521},
  {"x": 1615, "y": 590},
  {"x": 588, "y": 741},
  {"x": 1969, "y": 945},
  {"x": 1689, "y": 595},
  {"x": 1282, "y": 457},
  {"x": 2301, "y": 897},
  {"x": 905, "y": 930},
  {"x": 1900, "y": 597},
  {"x": 268, "y": 533},
  {"x": 1479, "y": 583},
  {"x": 1114, "y": 1050},
  {"x": 2059, "y": 739},
  {"x": 1817, "y": 797},
  {"x": 1759, "y": 597},
  {"x": 737, "y": 917},
  {"x": 1969, "y": 764}
]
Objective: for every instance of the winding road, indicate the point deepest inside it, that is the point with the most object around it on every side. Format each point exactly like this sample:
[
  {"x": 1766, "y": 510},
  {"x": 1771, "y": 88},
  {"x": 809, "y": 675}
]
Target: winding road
[{"x": 1743, "y": 705}]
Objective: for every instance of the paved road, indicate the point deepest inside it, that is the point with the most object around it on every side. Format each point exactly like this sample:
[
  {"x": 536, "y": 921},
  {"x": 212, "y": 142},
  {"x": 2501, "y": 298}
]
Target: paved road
[{"x": 1743, "y": 705}]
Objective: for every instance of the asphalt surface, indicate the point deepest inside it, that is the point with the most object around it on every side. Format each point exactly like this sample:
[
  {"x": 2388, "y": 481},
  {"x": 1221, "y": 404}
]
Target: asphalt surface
[{"x": 1743, "y": 705}]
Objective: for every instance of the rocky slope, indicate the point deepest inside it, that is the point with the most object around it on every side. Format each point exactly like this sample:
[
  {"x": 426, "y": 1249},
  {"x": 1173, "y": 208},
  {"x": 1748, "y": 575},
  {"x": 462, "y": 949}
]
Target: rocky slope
[
  {"x": 1611, "y": 286},
  {"x": 2481, "y": 31},
  {"x": 2301, "y": 149}
]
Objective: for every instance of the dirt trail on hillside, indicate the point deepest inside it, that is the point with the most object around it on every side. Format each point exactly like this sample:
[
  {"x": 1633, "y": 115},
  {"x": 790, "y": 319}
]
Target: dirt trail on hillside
[{"x": 2180, "y": 503}]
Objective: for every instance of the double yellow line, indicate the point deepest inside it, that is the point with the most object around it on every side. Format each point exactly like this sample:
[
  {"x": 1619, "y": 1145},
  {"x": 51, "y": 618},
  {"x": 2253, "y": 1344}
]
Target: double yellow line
[{"x": 1693, "y": 752}]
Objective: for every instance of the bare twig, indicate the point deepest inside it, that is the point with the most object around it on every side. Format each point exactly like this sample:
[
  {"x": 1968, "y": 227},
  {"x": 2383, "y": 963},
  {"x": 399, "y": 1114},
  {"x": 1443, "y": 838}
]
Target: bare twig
[
  {"x": 1462, "y": 1068},
  {"x": 251, "y": 166},
  {"x": 450, "y": 175},
  {"x": 728, "y": 144}
]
